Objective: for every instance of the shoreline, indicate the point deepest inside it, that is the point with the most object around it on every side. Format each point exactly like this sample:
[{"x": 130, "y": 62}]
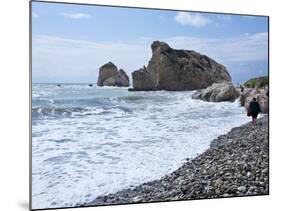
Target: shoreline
[{"x": 235, "y": 164}]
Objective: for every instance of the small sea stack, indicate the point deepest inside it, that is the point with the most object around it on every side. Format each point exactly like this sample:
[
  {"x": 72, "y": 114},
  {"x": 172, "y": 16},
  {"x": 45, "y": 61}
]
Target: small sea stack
[{"x": 109, "y": 75}]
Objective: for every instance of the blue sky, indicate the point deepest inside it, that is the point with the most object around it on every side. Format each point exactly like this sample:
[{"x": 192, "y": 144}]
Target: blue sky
[{"x": 71, "y": 42}]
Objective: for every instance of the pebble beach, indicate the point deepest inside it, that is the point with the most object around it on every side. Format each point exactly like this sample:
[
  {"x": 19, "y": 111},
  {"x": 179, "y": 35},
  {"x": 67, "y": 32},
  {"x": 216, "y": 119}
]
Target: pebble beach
[{"x": 236, "y": 164}]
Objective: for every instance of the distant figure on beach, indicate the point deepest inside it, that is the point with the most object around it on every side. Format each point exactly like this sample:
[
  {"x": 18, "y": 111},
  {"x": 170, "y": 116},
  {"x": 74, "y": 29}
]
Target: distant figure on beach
[
  {"x": 241, "y": 89},
  {"x": 254, "y": 110}
]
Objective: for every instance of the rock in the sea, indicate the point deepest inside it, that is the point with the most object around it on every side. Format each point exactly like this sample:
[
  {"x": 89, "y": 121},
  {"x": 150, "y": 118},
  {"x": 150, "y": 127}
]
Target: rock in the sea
[
  {"x": 142, "y": 80},
  {"x": 177, "y": 70},
  {"x": 259, "y": 94},
  {"x": 110, "y": 76},
  {"x": 106, "y": 71},
  {"x": 111, "y": 81},
  {"x": 217, "y": 92},
  {"x": 122, "y": 79}
]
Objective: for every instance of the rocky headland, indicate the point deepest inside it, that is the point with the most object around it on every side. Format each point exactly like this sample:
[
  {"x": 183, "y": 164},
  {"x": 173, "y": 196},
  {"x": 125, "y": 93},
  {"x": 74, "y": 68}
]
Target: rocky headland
[
  {"x": 110, "y": 76},
  {"x": 177, "y": 70},
  {"x": 259, "y": 82},
  {"x": 236, "y": 164}
]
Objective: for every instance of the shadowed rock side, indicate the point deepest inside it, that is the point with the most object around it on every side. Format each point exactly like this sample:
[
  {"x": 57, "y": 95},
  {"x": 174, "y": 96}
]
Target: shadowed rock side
[
  {"x": 177, "y": 70},
  {"x": 142, "y": 80},
  {"x": 122, "y": 78},
  {"x": 236, "y": 164},
  {"x": 217, "y": 92},
  {"x": 110, "y": 76}
]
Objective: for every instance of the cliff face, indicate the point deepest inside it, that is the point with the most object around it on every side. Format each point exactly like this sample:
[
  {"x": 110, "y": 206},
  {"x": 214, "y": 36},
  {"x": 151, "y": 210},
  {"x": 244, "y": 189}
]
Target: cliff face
[
  {"x": 110, "y": 76},
  {"x": 176, "y": 70}
]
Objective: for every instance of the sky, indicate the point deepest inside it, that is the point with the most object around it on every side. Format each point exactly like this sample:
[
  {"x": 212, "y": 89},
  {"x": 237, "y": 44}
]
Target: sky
[{"x": 70, "y": 42}]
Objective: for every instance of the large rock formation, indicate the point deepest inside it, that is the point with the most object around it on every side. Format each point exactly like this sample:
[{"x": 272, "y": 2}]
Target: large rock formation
[
  {"x": 217, "y": 92},
  {"x": 261, "y": 96},
  {"x": 176, "y": 70},
  {"x": 110, "y": 76}
]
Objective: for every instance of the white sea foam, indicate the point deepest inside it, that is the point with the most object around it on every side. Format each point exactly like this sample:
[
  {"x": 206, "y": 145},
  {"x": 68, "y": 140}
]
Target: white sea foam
[{"x": 141, "y": 137}]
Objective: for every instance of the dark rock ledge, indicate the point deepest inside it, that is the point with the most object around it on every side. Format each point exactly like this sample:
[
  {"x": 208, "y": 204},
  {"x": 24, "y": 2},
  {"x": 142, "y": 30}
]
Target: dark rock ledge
[{"x": 236, "y": 164}]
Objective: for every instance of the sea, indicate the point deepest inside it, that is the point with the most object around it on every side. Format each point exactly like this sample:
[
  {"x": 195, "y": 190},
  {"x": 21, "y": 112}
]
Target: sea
[{"x": 91, "y": 141}]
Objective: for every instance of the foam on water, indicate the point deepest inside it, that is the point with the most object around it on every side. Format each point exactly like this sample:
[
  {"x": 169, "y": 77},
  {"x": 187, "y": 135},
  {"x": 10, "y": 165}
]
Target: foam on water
[{"x": 124, "y": 140}]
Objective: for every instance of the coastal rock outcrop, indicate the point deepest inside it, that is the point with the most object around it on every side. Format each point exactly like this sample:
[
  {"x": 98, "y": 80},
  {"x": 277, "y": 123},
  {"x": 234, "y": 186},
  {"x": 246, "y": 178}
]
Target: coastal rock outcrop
[
  {"x": 217, "y": 92},
  {"x": 177, "y": 70},
  {"x": 110, "y": 76},
  {"x": 260, "y": 94}
]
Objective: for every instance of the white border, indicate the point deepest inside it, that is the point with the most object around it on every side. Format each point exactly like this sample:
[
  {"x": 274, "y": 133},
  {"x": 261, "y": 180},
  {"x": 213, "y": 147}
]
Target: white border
[{"x": 14, "y": 117}]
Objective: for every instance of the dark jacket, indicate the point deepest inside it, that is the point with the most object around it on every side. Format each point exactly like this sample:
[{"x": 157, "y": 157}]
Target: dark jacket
[{"x": 255, "y": 107}]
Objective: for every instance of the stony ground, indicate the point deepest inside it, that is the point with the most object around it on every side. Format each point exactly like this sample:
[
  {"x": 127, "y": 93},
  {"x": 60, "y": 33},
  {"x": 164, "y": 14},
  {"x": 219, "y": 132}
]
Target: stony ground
[{"x": 236, "y": 164}]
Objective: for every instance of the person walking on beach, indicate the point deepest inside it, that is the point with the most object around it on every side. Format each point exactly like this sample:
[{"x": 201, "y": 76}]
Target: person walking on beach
[
  {"x": 241, "y": 89},
  {"x": 254, "y": 110}
]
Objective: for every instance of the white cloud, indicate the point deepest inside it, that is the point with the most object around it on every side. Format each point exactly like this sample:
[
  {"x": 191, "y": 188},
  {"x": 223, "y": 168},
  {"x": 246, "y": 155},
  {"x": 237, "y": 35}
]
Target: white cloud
[
  {"x": 35, "y": 15},
  {"x": 76, "y": 15},
  {"x": 243, "y": 48},
  {"x": 196, "y": 20},
  {"x": 69, "y": 60}
]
